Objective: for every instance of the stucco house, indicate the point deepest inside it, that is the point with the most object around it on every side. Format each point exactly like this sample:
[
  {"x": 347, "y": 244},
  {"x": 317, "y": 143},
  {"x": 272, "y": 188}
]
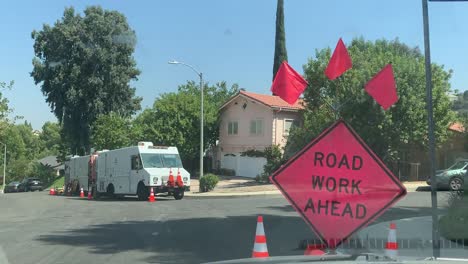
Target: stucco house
[{"x": 252, "y": 121}]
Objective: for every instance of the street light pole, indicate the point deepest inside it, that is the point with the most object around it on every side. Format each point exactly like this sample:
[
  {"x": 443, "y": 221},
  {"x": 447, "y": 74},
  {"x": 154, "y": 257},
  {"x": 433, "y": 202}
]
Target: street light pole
[
  {"x": 430, "y": 123},
  {"x": 200, "y": 75},
  {"x": 201, "y": 125}
]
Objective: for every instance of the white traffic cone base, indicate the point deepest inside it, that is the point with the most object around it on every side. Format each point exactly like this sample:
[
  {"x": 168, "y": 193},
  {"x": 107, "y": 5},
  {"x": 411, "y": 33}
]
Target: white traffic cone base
[{"x": 260, "y": 249}]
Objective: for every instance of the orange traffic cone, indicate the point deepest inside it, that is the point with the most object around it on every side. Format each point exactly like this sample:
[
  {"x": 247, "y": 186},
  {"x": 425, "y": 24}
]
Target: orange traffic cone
[
  {"x": 52, "y": 191},
  {"x": 81, "y": 193},
  {"x": 151, "y": 198},
  {"x": 179, "y": 181},
  {"x": 260, "y": 249},
  {"x": 90, "y": 194},
  {"x": 314, "y": 250},
  {"x": 170, "y": 181},
  {"x": 391, "y": 248}
]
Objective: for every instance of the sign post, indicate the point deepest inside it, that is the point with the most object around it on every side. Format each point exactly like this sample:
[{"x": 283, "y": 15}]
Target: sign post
[{"x": 337, "y": 184}]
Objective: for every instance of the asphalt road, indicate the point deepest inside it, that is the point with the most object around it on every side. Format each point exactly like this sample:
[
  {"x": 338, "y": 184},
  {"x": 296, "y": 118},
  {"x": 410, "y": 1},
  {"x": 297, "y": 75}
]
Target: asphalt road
[{"x": 38, "y": 228}]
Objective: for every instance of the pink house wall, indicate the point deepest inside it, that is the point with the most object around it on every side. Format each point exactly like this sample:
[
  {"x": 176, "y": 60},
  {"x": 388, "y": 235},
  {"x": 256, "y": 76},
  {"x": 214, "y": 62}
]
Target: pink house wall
[{"x": 235, "y": 111}]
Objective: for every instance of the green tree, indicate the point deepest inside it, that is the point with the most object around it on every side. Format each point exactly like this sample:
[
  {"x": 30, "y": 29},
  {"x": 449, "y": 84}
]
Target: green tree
[
  {"x": 84, "y": 65},
  {"x": 280, "y": 38},
  {"x": 33, "y": 144},
  {"x": 111, "y": 131},
  {"x": 175, "y": 119},
  {"x": 465, "y": 95},
  {"x": 50, "y": 137},
  {"x": 5, "y": 109},
  {"x": 386, "y": 132},
  {"x": 17, "y": 164}
]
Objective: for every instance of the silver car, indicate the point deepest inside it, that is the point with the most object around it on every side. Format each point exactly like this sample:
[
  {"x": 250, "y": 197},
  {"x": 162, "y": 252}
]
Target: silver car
[{"x": 451, "y": 178}]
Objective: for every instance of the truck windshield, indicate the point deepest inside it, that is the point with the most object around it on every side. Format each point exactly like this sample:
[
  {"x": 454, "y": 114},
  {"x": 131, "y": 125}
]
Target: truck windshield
[{"x": 161, "y": 161}]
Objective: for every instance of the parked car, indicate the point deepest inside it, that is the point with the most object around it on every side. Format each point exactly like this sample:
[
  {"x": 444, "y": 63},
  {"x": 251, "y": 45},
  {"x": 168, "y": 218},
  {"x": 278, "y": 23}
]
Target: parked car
[
  {"x": 12, "y": 187},
  {"x": 30, "y": 184},
  {"x": 451, "y": 178}
]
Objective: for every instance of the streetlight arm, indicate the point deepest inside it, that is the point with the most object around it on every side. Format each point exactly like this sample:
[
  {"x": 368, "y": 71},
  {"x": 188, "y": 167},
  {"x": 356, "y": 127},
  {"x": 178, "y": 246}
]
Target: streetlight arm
[{"x": 188, "y": 65}]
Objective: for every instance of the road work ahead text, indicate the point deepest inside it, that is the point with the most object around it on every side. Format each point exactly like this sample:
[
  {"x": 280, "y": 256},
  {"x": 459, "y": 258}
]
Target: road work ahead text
[{"x": 338, "y": 184}]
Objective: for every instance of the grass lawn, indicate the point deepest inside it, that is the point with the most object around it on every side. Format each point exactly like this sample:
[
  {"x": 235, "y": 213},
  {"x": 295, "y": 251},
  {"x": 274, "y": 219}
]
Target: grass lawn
[{"x": 57, "y": 183}]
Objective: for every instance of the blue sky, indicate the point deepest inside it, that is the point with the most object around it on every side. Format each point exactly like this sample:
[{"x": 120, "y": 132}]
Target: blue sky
[{"x": 230, "y": 40}]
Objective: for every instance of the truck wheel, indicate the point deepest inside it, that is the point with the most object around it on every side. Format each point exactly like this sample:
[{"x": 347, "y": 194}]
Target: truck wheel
[
  {"x": 178, "y": 195},
  {"x": 142, "y": 192},
  {"x": 110, "y": 190}
]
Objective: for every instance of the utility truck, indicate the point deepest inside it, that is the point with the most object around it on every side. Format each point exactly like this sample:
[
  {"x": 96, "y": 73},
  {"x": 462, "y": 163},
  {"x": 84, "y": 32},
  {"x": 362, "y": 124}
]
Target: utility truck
[{"x": 128, "y": 171}]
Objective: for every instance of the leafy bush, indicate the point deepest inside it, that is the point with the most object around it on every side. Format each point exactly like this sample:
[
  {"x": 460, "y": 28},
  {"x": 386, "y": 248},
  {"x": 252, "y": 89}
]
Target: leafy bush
[
  {"x": 453, "y": 224},
  {"x": 208, "y": 182},
  {"x": 263, "y": 178},
  {"x": 275, "y": 159},
  {"x": 253, "y": 153}
]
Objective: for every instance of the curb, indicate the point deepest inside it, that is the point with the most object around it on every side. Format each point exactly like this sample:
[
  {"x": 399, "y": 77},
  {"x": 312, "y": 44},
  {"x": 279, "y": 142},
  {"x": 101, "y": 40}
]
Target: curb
[
  {"x": 255, "y": 194},
  {"x": 227, "y": 195}
]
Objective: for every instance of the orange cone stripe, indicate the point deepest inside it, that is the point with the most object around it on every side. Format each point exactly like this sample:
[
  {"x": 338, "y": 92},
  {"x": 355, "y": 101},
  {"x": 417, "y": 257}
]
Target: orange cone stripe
[
  {"x": 260, "y": 254},
  {"x": 391, "y": 245},
  {"x": 313, "y": 252},
  {"x": 316, "y": 246},
  {"x": 260, "y": 239}
]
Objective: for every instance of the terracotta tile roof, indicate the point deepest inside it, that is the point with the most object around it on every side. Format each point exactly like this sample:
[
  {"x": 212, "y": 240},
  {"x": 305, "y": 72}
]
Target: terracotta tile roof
[
  {"x": 268, "y": 100},
  {"x": 458, "y": 127}
]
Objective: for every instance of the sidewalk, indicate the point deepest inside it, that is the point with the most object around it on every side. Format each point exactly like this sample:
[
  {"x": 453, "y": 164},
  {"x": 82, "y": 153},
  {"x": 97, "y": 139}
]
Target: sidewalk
[{"x": 244, "y": 187}]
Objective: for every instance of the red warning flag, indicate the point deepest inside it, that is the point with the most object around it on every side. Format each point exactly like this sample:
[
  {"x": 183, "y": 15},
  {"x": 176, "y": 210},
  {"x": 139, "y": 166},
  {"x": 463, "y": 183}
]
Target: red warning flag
[
  {"x": 339, "y": 62},
  {"x": 288, "y": 84},
  {"x": 383, "y": 88}
]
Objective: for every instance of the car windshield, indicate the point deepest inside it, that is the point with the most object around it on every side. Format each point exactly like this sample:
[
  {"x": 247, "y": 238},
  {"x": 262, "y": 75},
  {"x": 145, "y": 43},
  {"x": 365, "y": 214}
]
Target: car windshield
[
  {"x": 459, "y": 165},
  {"x": 194, "y": 131}
]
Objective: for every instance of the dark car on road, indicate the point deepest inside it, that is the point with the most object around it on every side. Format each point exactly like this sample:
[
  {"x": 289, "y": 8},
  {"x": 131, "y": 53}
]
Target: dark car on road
[
  {"x": 12, "y": 187},
  {"x": 30, "y": 184}
]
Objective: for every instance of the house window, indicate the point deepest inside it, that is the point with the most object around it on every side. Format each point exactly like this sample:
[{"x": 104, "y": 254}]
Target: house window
[
  {"x": 288, "y": 124},
  {"x": 256, "y": 127},
  {"x": 233, "y": 127}
]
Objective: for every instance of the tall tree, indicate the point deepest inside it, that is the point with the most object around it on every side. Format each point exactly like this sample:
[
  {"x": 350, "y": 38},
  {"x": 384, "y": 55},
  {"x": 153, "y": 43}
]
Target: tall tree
[
  {"x": 280, "y": 38},
  {"x": 465, "y": 95},
  {"x": 389, "y": 132},
  {"x": 84, "y": 65},
  {"x": 111, "y": 131},
  {"x": 33, "y": 144},
  {"x": 175, "y": 119},
  {"x": 50, "y": 137}
]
